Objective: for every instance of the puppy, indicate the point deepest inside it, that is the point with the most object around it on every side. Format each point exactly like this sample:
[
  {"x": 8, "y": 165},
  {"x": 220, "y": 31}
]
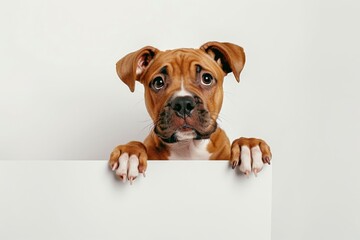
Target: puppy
[{"x": 183, "y": 96}]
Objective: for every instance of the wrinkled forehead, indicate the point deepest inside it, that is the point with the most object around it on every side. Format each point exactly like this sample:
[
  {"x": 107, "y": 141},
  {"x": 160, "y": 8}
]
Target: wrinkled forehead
[{"x": 181, "y": 62}]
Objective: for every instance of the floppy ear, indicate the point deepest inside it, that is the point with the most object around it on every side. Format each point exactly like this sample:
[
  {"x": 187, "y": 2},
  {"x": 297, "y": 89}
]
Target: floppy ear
[
  {"x": 230, "y": 57},
  {"x": 130, "y": 67}
]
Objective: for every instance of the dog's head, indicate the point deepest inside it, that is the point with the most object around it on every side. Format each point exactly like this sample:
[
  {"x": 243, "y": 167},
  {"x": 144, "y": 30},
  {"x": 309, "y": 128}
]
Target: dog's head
[{"x": 183, "y": 87}]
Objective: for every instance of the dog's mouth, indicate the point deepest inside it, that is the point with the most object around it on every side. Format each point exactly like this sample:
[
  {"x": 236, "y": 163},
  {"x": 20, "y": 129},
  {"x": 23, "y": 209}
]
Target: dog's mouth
[
  {"x": 184, "y": 133},
  {"x": 171, "y": 128}
]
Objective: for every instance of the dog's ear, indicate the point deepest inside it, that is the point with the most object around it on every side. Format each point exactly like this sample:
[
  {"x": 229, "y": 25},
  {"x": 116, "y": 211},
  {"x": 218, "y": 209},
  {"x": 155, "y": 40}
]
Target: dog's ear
[
  {"x": 230, "y": 57},
  {"x": 130, "y": 67}
]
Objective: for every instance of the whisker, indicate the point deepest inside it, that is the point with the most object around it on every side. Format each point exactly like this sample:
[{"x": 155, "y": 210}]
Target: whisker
[
  {"x": 148, "y": 126},
  {"x": 219, "y": 117}
]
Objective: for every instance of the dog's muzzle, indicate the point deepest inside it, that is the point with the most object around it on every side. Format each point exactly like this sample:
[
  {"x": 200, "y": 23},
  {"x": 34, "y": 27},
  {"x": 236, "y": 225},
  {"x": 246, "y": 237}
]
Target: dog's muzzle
[{"x": 184, "y": 118}]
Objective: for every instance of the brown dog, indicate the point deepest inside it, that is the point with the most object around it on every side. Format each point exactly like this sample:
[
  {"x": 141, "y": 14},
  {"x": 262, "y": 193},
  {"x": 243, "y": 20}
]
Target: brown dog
[{"x": 183, "y": 95}]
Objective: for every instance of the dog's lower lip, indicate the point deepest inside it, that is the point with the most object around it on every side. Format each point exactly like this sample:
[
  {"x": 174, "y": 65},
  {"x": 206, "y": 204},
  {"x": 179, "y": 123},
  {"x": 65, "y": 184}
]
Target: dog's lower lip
[{"x": 186, "y": 128}]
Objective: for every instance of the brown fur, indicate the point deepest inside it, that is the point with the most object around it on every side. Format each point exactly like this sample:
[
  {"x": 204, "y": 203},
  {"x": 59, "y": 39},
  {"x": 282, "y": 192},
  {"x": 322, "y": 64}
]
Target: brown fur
[{"x": 215, "y": 58}]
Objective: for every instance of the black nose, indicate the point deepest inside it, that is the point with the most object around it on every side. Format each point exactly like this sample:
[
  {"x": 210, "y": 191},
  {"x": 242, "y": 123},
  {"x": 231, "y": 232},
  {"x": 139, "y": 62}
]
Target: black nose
[{"x": 183, "y": 105}]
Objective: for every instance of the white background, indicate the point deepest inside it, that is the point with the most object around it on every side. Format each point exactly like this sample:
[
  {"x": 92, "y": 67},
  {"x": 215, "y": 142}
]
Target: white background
[{"x": 60, "y": 97}]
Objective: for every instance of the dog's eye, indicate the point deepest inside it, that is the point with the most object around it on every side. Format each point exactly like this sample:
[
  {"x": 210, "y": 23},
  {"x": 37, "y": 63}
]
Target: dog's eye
[
  {"x": 158, "y": 83},
  {"x": 207, "y": 79}
]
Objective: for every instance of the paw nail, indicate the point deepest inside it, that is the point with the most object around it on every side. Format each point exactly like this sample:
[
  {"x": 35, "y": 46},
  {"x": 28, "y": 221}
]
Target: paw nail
[
  {"x": 114, "y": 167},
  {"x": 123, "y": 178},
  {"x": 233, "y": 166}
]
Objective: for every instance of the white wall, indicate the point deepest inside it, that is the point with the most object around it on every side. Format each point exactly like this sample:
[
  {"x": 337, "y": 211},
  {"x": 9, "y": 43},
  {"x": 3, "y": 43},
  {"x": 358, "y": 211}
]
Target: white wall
[{"x": 60, "y": 97}]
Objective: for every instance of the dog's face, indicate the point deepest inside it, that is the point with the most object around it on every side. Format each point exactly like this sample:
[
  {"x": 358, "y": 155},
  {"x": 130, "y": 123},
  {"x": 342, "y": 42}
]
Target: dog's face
[{"x": 183, "y": 87}]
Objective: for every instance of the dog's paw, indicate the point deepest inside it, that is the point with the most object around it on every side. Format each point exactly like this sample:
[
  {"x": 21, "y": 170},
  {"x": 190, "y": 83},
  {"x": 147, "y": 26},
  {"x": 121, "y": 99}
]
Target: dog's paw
[
  {"x": 250, "y": 154},
  {"x": 128, "y": 160}
]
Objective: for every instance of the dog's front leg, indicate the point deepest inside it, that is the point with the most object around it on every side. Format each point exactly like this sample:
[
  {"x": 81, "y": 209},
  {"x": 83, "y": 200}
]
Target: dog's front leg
[
  {"x": 250, "y": 154},
  {"x": 129, "y": 160}
]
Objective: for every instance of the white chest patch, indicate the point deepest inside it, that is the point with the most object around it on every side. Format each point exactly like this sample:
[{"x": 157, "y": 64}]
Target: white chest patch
[{"x": 190, "y": 150}]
